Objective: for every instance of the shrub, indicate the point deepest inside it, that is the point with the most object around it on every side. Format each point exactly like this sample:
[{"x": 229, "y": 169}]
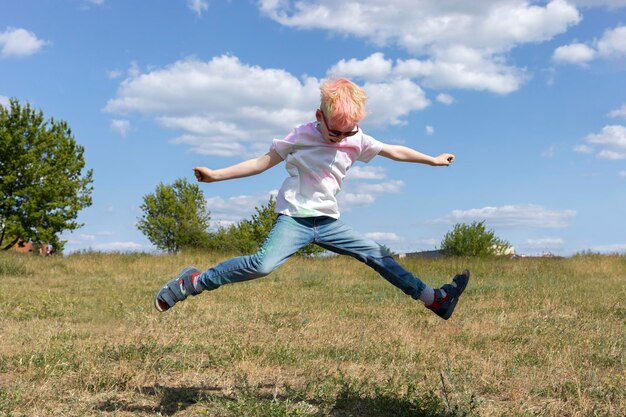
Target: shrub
[
  {"x": 248, "y": 235},
  {"x": 472, "y": 240}
]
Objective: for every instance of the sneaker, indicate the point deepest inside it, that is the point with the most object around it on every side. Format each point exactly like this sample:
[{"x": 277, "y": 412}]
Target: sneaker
[
  {"x": 444, "y": 306},
  {"x": 177, "y": 289}
]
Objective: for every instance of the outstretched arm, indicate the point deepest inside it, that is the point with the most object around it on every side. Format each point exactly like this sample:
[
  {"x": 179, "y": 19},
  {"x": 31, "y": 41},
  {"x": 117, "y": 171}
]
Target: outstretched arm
[
  {"x": 243, "y": 169},
  {"x": 404, "y": 154}
]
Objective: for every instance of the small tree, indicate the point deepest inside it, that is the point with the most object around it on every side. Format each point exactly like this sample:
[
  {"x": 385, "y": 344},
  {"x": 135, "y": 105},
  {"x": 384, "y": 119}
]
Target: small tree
[
  {"x": 258, "y": 227},
  {"x": 248, "y": 235},
  {"x": 175, "y": 216},
  {"x": 42, "y": 186},
  {"x": 472, "y": 240}
]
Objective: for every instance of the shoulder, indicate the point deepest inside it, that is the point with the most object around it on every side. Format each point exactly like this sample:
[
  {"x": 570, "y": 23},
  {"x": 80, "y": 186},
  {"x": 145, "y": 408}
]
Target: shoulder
[
  {"x": 369, "y": 147},
  {"x": 307, "y": 129},
  {"x": 301, "y": 135},
  {"x": 368, "y": 141},
  {"x": 302, "y": 132}
]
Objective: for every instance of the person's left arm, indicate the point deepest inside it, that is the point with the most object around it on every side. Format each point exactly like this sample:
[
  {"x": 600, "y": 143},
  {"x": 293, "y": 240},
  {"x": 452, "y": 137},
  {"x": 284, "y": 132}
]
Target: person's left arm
[{"x": 404, "y": 154}]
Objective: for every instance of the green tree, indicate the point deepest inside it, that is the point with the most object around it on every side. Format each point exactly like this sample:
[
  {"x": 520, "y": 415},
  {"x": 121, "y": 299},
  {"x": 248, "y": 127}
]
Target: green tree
[
  {"x": 258, "y": 226},
  {"x": 175, "y": 216},
  {"x": 472, "y": 240},
  {"x": 42, "y": 186},
  {"x": 248, "y": 235}
]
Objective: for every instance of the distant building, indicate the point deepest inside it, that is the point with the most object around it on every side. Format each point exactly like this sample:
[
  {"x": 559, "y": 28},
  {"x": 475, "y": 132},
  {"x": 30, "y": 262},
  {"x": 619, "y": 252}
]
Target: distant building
[
  {"x": 427, "y": 254},
  {"x": 25, "y": 247},
  {"x": 507, "y": 251},
  {"x": 433, "y": 254}
]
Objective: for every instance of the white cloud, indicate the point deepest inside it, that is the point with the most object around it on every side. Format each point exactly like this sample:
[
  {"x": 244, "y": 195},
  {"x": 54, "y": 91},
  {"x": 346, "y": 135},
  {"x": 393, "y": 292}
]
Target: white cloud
[
  {"x": 389, "y": 187},
  {"x": 385, "y": 236},
  {"x": 364, "y": 194},
  {"x": 350, "y": 200},
  {"x": 611, "y": 4},
  {"x": 18, "y": 42},
  {"x": 576, "y": 53},
  {"x": 622, "y": 174},
  {"x": 198, "y": 6},
  {"x": 621, "y": 112},
  {"x": 228, "y": 108},
  {"x": 84, "y": 239},
  {"x": 120, "y": 126},
  {"x": 430, "y": 130},
  {"x": 611, "y": 155},
  {"x": 610, "y": 143},
  {"x": 583, "y": 149},
  {"x": 417, "y": 25},
  {"x": 612, "y": 45},
  {"x": 91, "y": 241},
  {"x": 548, "y": 153},
  {"x": 367, "y": 173},
  {"x": 231, "y": 210},
  {"x": 118, "y": 247},
  {"x": 4, "y": 101},
  {"x": 222, "y": 106},
  {"x": 445, "y": 31},
  {"x": 373, "y": 68},
  {"x": 545, "y": 243},
  {"x": 512, "y": 216},
  {"x": 389, "y": 102},
  {"x": 444, "y": 98},
  {"x": 465, "y": 68},
  {"x": 78, "y": 239},
  {"x": 390, "y": 96},
  {"x": 616, "y": 248},
  {"x": 133, "y": 71},
  {"x": 113, "y": 74},
  {"x": 429, "y": 242}
]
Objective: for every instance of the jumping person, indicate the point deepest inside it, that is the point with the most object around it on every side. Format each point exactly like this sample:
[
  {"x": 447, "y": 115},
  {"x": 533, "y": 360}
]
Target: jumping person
[{"x": 317, "y": 156}]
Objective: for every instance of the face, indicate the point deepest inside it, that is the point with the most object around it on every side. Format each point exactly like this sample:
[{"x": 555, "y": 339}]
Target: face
[{"x": 331, "y": 134}]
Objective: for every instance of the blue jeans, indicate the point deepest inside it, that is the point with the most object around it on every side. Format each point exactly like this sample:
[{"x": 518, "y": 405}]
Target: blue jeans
[{"x": 289, "y": 234}]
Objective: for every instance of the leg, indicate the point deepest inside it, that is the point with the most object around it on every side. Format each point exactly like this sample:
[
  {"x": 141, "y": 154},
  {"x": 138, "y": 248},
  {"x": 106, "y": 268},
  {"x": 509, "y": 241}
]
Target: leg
[
  {"x": 340, "y": 238},
  {"x": 286, "y": 237}
]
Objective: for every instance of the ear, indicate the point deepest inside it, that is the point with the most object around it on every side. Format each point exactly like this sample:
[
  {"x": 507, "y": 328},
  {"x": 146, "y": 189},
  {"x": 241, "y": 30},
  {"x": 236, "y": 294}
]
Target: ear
[{"x": 318, "y": 115}]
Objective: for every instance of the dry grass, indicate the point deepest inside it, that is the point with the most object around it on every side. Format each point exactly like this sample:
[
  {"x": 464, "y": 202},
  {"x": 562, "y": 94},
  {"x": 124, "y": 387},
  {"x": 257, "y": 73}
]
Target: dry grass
[{"x": 319, "y": 337}]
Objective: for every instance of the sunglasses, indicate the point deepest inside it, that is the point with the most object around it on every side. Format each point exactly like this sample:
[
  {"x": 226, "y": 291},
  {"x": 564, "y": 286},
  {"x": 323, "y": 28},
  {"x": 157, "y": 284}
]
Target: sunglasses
[{"x": 337, "y": 133}]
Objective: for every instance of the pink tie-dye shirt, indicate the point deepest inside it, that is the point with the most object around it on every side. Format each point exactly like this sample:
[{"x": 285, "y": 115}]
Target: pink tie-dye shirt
[{"x": 317, "y": 168}]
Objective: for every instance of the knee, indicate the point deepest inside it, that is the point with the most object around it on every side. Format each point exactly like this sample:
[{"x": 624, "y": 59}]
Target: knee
[{"x": 261, "y": 265}]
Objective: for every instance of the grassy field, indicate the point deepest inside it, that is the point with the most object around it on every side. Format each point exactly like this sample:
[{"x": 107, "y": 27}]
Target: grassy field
[{"x": 319, "y": 337}]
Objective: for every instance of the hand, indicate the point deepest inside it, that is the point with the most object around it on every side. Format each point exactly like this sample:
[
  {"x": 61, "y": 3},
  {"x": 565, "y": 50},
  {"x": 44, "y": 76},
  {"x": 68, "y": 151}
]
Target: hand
[
  {"x": 444, "y": 159},
  {"x": 204, "y": 174}
]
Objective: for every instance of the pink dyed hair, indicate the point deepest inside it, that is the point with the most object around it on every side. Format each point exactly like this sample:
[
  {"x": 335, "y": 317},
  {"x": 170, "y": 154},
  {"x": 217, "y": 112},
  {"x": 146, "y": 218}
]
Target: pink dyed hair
[{"x": 343, "y": 102}]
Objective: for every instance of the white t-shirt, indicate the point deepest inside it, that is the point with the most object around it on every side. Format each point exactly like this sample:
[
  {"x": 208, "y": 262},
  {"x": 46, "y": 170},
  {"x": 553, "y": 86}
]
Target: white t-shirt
[{"x": 317, "y": 168}]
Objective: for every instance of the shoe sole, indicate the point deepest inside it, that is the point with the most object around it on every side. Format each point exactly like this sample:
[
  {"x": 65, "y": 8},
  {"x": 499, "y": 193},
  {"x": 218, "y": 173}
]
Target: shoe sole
[
  {"x": 158, "y": 306},
  {"x": 455, "y": 300}
]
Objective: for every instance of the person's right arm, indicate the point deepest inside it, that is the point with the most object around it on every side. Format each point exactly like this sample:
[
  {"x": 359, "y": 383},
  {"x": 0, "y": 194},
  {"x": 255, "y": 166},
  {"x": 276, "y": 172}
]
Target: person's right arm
[{"x": 243, "y": 169}]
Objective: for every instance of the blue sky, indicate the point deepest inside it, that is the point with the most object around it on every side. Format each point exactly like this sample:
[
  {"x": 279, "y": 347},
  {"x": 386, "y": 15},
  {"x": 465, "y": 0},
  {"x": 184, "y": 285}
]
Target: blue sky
[{"x": 529, "y": 95}]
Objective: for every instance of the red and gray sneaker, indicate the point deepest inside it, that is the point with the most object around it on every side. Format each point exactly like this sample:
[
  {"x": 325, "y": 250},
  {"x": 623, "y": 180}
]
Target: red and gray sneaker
[
  {"x": 444, "y": 306},
  {"x": 177, "y": 289}
]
